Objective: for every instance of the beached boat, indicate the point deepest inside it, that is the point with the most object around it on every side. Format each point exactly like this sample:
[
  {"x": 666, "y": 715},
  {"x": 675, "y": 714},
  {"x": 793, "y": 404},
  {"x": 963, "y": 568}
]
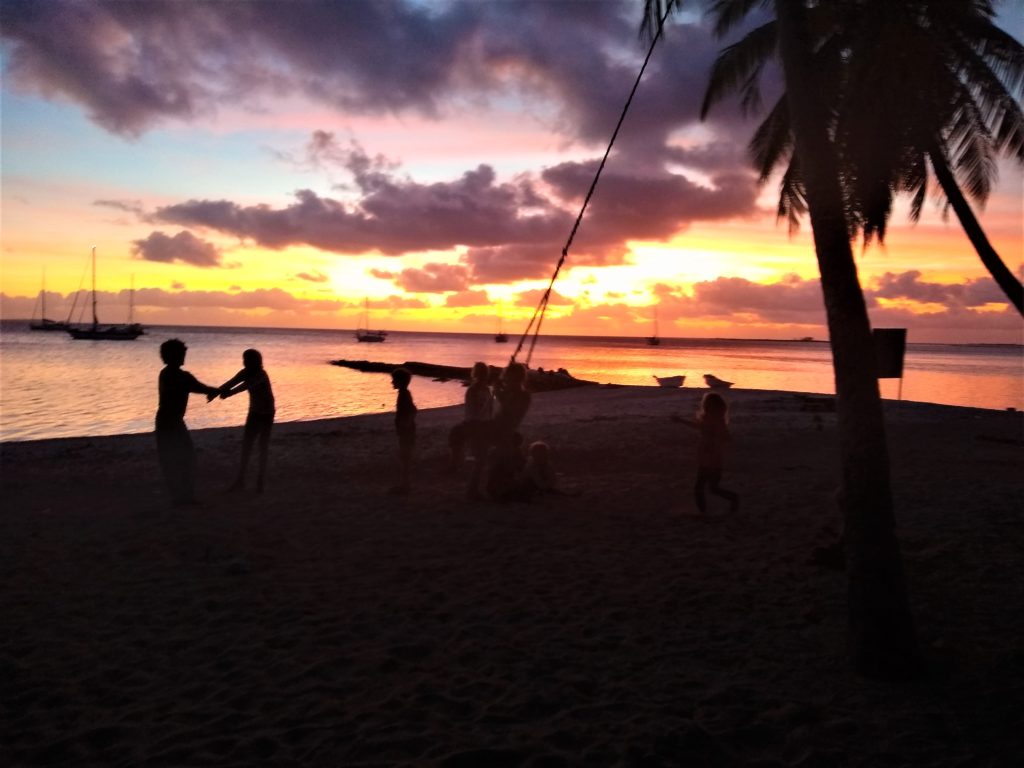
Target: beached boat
[
  {"x": 716, "y": 383},
  {"x": 44, "y": 323},
  {"x": 364, "y": 333},
  {"x": 96, "y": 332},
  {"x": 537, "y": 380},
  {"x": 669, "y": 381}
]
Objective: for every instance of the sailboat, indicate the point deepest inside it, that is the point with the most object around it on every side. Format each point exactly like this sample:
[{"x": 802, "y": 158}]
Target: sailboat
[
  {"x": 97, "y": 332},
  {"x": 364, "y": 333},
  {"x": 654, "y": 340},
  {"x": 43, "y": 323},
  {"x": 500, "y": 337}
]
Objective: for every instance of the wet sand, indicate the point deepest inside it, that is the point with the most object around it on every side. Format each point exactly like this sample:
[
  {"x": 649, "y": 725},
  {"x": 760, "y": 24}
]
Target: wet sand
[{"x": 327, "y": 623}]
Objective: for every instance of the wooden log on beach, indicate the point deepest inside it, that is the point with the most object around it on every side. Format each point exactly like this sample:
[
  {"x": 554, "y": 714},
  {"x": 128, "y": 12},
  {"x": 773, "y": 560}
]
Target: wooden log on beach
[{"x": 537, "y": 380}]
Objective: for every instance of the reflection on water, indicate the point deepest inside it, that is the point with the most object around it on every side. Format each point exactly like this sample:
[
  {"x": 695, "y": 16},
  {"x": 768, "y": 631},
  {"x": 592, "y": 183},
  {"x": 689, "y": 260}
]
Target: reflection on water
[{"x": 51, "y": 386}]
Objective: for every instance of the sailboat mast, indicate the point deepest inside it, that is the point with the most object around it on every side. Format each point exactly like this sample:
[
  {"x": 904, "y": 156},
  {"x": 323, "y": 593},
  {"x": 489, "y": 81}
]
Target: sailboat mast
[
  {"x": 95, "y": 320},
  {"x": 131, "y": 302},
  {"x": 44, "y": 297}
]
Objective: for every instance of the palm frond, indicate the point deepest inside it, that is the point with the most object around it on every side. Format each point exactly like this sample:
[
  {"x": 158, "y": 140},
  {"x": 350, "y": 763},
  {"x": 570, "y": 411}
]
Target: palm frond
[
  {"x": 772, "y": 143},
  {"x": 1001, "y": 51},
  {"x": 738, "y": 66},
  {"x": 655, "y": 13},
  {"x": 792, "y": 199},
  {"x": 728, "y": 13},
  {"x": 998, "y": 110}
]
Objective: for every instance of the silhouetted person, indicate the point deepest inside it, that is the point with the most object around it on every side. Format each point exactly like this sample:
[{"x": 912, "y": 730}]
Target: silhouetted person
[
  {"x": 713, "y": 424},
  {"x": 534, "y": 477},
  {"x": 506, "y": 462},
  {"x": 506, "y": 459},
  {"x": 173, "y": 442},
  {"x": 405, "y": 426},
  {"x": 479, "y": 410},
  {"x": 258, "y": 424},
  {"x": 513, "y": 402}
]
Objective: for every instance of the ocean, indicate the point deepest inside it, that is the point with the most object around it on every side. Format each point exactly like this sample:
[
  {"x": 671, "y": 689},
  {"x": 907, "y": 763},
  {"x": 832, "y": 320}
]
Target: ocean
[{"x": 52, "y": 386}]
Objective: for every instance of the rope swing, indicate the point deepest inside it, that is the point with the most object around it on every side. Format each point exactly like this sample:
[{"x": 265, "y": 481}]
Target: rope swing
[{"x": 542, "y": 306}]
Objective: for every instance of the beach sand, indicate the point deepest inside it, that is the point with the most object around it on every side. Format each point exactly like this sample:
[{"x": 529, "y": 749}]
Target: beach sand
[{"x": 327, "y": 623}]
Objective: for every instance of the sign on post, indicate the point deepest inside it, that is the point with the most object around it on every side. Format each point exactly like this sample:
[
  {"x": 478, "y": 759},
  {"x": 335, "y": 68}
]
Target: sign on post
[{"x": 890, "y": 344}]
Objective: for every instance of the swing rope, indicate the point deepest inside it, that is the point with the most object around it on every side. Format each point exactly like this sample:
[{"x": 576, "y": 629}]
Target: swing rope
[{"x": 542, "y": 306}]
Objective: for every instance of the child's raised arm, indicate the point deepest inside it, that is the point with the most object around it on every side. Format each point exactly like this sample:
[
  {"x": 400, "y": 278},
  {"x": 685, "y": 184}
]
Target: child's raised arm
[{"x": 237, "y": 383}]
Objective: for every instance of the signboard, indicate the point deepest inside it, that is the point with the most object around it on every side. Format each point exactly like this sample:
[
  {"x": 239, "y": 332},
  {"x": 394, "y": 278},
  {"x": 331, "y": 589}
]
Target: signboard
[{"x": 890, "y": 344}]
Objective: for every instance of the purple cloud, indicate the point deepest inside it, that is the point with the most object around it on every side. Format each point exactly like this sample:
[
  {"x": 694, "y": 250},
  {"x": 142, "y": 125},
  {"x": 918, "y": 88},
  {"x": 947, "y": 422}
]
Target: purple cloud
[
  {"x": 532, "y": 297},
  {"x": 467, "y": 299},
  {"x": 183, "y": 247},
  {"x": 434, "y": 278},
  {"x": 908, "y": 285}
]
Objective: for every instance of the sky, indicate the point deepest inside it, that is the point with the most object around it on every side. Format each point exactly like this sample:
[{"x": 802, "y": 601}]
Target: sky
[{"x": 280, "y": 163}]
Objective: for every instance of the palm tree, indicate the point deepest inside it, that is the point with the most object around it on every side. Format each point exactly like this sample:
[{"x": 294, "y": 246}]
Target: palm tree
[
  {"x": 915, "y": 82},
  {"x": 882, "y": 637}
]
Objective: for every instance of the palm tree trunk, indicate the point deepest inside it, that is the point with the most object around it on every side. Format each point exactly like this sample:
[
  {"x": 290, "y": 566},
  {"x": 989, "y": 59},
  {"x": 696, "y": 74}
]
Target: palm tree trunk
[
  {"x": 883, "y": 641},
  {"x": 1004, "y": 278}
]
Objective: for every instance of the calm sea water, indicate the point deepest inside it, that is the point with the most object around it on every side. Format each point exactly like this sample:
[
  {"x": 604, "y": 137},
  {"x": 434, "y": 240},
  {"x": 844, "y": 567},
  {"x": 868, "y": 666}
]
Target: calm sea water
[{"x": 52, "y": 386}]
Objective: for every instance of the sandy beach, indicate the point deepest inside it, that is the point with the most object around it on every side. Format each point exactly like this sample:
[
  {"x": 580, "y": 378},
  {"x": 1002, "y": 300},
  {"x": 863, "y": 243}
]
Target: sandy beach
[{"x": 328, "y": 623}]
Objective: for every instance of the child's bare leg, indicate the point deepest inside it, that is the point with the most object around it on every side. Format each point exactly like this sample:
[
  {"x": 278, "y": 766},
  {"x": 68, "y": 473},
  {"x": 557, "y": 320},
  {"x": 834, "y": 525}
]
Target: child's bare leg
[
  {"x": 247, "y": 440},
  {"x": 733, "y": 498},
  {"x": 264, "y": 444},
  {"x": 698, "y": 492}
]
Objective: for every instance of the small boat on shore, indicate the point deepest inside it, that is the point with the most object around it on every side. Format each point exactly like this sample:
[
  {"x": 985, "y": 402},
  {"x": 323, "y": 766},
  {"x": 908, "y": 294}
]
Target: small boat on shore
[
  {"x": 670, "y": 381},
  {"x": 716, "y": 383},
  {"x": 537, "y": 380}
]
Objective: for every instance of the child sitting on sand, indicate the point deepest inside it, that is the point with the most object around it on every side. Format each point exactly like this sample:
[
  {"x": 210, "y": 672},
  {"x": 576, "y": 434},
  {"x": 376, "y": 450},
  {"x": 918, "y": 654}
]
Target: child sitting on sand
[
  {"x": 538, "y": 475},
  {"x": 405, "y": 426},
  {"x": 535, "y": 477},
  {"x": 713, "y": 424},
  {"x": 258, "y": 423}
]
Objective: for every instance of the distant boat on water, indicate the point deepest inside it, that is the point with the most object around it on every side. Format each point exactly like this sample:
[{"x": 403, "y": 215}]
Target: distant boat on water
[
  {"x": 500, "y": 337},
  {"x": 44, "y": 323},
  {"x": 364, "y": 333},
  {"x": 96, "y": 332},
  {"x": 654, "y": 340}
]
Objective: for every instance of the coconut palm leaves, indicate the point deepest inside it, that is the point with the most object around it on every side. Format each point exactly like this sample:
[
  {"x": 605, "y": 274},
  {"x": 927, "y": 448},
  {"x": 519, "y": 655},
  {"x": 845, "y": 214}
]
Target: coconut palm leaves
[{"x": 909, "y": 84}]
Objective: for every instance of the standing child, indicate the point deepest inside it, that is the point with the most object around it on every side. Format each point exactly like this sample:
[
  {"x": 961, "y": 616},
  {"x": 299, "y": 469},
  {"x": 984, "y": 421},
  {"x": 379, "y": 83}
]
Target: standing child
[
  {"x": 713, "y": 424},
  {"x": 405, "y": 426},
  {"x": 258, "y": 423},
  {"x": 173, "y": 442},
  {"x": 474, "y": 428}
]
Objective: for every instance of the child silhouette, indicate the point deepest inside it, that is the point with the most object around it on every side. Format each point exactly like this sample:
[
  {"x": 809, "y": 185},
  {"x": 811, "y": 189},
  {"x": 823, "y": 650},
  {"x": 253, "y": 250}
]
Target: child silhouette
[
  {"x": 713, "y": 424},
  {"x": 405, "y": 427},
  {"x": 258, "y": 424},
  {"x": 173, "y": 442}
]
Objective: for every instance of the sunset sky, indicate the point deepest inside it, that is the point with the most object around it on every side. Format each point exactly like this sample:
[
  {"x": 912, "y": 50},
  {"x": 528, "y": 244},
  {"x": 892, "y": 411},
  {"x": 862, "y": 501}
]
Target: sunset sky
[{"x": 273, "y": 164}]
